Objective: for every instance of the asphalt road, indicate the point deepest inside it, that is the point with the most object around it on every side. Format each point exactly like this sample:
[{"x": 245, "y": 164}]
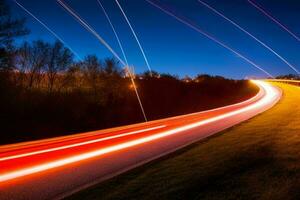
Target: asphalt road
[{"x": 54, "y": 168}]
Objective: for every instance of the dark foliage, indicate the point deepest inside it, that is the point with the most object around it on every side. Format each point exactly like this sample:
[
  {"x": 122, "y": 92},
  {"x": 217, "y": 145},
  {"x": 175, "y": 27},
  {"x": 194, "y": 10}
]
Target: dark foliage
[
  {"x": 48, "y": 94},
  {"x": 94, "y": 99},
  {"x": 289, "y": 76},
  {"x": 9, "y": 29}
]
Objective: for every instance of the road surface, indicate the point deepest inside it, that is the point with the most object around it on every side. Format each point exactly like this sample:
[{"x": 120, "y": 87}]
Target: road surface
[{"x": 54, "y": 168}]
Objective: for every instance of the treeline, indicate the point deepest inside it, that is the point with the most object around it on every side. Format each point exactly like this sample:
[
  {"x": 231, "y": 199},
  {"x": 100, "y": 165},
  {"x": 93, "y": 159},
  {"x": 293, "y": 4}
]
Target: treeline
[
  {"x": 289, "y": 77},
  {"x": 86, "y": 100},
  {"x": 50, "y": 67},
  {"x": 44, "y": 92}
]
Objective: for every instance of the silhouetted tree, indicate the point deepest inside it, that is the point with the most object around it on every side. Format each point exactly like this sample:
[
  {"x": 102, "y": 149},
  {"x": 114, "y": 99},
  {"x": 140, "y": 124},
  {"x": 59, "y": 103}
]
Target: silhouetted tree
[
  {"x": 112, "y": 76},
  {"x": 202, "y": 77},
  {"x": 32, "y": 60},
  {"x": 74, "y": 78},
  {"x": 22, "y": 63},
  {"x": 92, "y": 68},
  {"x": 289, "y": 76},
  {"x": 169, "y": 77},
  {"x": 187, "y": 79},
  {"x": 152, "y": 74},
  {"x": 9, "y": 29},
  {"x": 60, "y": 58},
  {"x": 111, "y": 67}
]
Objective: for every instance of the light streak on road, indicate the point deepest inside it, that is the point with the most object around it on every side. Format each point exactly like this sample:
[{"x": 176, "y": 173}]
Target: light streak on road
[
  {"x": 102, "y": 41},
  {"x": 250, "y": 34},
  {"x": 80, "y": 143},
  {"x": 196, "y": 28},
  {"x": 262, "y": 10},
  {"x": 48, "y": 28},
  {"x": 114, "y": 31},
  {"x": 267, "y": 96},
  {"x": 135, "y": 36},
  {"x": 284, "y": 80}
]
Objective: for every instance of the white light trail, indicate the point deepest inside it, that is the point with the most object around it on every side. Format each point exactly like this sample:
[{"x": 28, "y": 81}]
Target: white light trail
[
  {"x": 271, "y": 96},
  {"x": 102, "y": 41},
  {"x": 251, "y": 35},
  {"x": 125, "y": 58},
  {"x": 114, "y": 31},
  {"x": 80, "y": 143},
  {"x": 170, "y": 13},
  {"x": 135, "y": 36},
  {"x": 91, "y": 30},
  {"x": 48, "y": 28},
  {"x": 131, "y": 75},
  {"x": 261, "y": 9}
]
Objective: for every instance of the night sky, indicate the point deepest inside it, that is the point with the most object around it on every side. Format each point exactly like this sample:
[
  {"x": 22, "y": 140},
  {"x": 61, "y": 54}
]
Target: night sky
[{"x": 171, "y": 46}]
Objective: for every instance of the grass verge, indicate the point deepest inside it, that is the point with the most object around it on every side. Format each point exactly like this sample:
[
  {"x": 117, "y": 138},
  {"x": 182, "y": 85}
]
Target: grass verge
[{"x": 258, "y": 159}]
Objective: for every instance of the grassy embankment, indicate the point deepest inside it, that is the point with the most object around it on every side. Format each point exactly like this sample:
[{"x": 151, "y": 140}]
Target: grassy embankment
[{"x": 258, "y": 159}]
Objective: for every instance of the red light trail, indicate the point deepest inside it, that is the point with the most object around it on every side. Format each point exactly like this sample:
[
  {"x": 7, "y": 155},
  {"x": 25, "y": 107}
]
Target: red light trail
[
  {"x": 23, "y": 161},
  {"x": 47, "y": 169}
]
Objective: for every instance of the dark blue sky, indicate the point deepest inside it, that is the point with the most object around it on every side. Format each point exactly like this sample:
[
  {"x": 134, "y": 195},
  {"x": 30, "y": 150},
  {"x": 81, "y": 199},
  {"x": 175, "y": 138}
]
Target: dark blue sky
[{"x": 169, "y": 45}]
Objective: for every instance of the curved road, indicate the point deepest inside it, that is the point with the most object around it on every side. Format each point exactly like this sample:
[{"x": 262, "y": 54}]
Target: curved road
[{"x": 54, "y": 168}]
